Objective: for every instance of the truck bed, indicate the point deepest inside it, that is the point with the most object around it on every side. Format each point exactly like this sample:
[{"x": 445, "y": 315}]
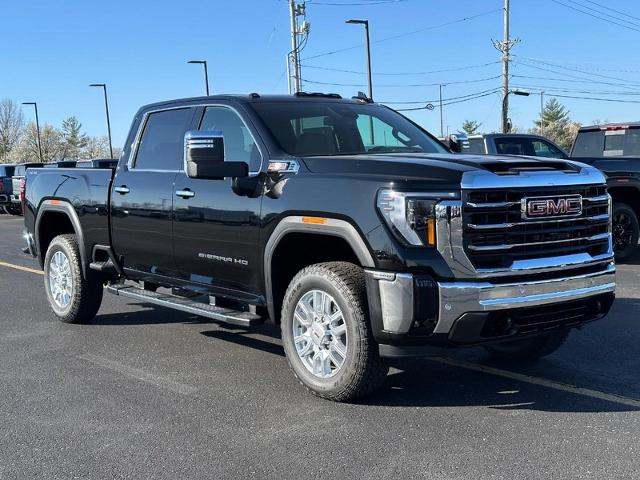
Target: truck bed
[{"x": 84, "y": 190}]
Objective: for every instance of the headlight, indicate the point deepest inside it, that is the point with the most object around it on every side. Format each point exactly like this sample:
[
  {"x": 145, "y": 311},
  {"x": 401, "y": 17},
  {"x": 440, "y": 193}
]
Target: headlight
[{"x": 411, "y": 216}]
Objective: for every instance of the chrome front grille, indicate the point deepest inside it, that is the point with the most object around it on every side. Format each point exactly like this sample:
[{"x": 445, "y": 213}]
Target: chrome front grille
[{"x": 496, "y": 235}]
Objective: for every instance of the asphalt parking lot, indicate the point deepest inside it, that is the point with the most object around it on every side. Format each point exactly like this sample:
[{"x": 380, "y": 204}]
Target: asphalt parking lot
[{"x": 144, "y": 392}]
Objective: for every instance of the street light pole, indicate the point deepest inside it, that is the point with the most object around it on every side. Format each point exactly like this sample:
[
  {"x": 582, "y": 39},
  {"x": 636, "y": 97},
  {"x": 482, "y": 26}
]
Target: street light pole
[
  {"x": 206, "y": 73},
  {"x": 35, "y": 106},
  {"x": 106, "y": 107},
  {"x": 441, "y": 115},
  {"x": 541, "y": 112},
  {"x": 368, "y": 51}
]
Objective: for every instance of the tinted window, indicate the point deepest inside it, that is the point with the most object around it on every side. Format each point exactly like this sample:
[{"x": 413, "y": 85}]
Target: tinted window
[
  {"x": 6, "y": 171},
  {"x": 514, "y": 146},
  {"x": 238, "y": 142},
  {"x": 476, "y": 145},
  {"x": 162, "y": 143},
  {"x": 545, "y": 149},
  {"x": 308, "y": 128},
  {"x": 589, "y": 144},
  {"x": 632, "y": 142}
]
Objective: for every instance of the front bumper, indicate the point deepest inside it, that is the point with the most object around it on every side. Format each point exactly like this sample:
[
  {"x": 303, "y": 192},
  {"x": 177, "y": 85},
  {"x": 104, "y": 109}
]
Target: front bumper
[
  {"x": 30, "y": 247},
  {"x": 460, "y": 312}
]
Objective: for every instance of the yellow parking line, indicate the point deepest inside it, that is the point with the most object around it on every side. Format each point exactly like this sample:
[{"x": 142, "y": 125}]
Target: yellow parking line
[
  {"x": 21, "y": 268},
  {"x": 543, "y": 382}
]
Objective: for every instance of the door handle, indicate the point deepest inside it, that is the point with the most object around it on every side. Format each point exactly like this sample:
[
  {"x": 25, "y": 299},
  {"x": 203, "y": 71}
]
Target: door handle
[
  {"x": 186, "y": 193},
  {"x": 122, "y": 190}
]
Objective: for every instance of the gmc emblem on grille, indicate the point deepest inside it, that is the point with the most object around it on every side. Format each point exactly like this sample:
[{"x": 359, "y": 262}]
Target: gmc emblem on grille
[{"x": 566, "y": 206}]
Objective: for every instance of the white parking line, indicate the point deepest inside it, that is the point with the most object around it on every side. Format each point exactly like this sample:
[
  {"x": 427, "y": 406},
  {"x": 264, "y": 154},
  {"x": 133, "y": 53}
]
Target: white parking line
[
  {"x": 543, "y": 382},
  {"x": 186, "y": 389},
  {"x": 20, "y": 267}
]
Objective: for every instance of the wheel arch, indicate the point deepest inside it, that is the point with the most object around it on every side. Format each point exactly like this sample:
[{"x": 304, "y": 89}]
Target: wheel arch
[
  {"x": 57, "y": 217},
  {"x": 339, "y": 235}
]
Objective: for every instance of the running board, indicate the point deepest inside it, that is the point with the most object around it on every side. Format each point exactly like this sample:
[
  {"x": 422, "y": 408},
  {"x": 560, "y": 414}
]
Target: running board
[{"x": 226, "y": 315}]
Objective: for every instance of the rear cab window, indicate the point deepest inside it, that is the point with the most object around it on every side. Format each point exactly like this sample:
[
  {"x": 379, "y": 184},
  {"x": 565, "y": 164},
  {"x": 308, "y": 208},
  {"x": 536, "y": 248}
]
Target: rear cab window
[{"x": 608, "y": 142}]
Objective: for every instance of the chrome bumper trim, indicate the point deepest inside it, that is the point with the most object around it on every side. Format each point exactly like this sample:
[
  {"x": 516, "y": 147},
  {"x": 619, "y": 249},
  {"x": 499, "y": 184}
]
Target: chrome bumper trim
[
  {"x": 396, "y": 299},
  {"x": 457, "y": 298}
]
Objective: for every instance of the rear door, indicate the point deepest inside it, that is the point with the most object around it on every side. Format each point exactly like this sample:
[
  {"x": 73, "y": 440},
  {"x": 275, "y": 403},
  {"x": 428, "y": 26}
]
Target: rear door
[{"x": 142, "y": 196}]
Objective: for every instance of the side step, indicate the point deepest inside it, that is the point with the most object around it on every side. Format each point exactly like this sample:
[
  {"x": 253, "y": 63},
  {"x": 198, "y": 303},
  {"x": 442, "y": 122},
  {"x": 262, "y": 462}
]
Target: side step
[{"x": 227, "y": 315}]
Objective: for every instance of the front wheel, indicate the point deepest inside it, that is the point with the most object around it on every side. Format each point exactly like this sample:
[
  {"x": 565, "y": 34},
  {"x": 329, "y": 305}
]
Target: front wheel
[
  {"x": 625, "y": 231},
  {"x": 528, "y": 349},
  {"x": 327, "y": 335},
  {"x": 73, "y": 298}
]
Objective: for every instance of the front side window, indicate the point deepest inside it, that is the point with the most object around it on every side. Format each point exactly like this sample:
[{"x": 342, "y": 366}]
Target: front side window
[
  {"x": 312, "y": 128},
  {"x": 239, "y": 145},
  {"x": 162, "y": 143},
  {"x": 545, "y": 149}
]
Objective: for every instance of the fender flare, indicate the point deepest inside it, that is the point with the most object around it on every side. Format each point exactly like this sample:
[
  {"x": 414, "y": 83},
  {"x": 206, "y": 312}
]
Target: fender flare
[
  {"x": 329, "y": 226},
  {"x": 61, "y": 206}
]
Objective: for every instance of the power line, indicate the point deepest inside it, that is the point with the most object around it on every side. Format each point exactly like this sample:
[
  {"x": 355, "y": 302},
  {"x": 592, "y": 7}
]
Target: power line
[
  {"x": 421, "y": 102},
  {"x": 453, "y": 102},
  {"x": 433, "y": 27},
  {"x": 595, "y": 16},
  {"x": 600, "y": 12},
  {"x": 551, "y": 88},
  {"x": 458, "y": 82},
  {"x": 555, "y": 65},
  {"x": 612, "y": 9},
  {"x": 457, "y": 69},
  {"x": 629, "y": 86},
  {"x": 374, "y": 2}
]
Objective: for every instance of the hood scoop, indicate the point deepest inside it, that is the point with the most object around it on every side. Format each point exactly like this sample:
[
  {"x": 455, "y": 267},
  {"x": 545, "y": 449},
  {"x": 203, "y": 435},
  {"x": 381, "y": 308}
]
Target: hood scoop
[{"x": 514, "y": 167}]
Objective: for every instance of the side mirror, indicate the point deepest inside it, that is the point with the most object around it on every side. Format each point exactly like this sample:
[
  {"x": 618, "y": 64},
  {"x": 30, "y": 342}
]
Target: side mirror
[
  {"x": 455, "y": 145},
  {"x": 204, "y": 157}
]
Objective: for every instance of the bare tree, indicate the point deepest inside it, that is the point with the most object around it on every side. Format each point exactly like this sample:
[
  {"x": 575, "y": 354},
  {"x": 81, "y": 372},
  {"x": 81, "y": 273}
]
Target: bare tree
[
  {"x": 96, "y": 147},
  {"x": 52, "y": 144},
  {"x": 11, "y": 124}
]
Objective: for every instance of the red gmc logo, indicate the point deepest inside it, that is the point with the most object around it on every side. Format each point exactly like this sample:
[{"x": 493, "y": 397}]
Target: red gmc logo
[{"x": 568, "y": 206}]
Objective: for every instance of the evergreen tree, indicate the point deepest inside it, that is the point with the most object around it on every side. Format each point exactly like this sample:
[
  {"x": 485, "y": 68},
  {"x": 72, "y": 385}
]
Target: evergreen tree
[
  {"x": 470, "y": 127},
  {"x": 557, "y": 124},
  {"x": 73, "y": 139}
]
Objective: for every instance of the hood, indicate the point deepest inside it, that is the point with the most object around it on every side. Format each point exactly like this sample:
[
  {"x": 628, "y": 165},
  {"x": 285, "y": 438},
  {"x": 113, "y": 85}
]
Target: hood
[{"x": 439, "y": 168}]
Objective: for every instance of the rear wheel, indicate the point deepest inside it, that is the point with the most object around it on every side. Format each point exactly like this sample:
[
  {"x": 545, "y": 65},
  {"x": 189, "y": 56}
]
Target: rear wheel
[
  {"x": 73, "y": 298},
  {"x": 326, "y": 332},
  {"x": 528, "y": 349},
  {"x": 625, "y": 231}
]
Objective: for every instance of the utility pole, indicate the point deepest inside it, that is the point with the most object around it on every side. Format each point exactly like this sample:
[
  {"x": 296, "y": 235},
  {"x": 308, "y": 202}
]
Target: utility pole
[
  {"x": 296, "y": 10},
  {"x": 441, "y": 115},
  {"x": 505, "y": 48}
]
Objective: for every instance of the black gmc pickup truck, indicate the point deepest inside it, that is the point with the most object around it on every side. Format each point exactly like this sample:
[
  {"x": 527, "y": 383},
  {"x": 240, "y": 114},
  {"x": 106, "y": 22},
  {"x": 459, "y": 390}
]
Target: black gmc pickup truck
[
  {"x": 341, "y": 220},
  {"x": 614, "y": 149}
]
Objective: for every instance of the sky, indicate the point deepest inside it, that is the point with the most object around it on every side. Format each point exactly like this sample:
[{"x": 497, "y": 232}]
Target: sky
[{"x": 140, "y": 48}]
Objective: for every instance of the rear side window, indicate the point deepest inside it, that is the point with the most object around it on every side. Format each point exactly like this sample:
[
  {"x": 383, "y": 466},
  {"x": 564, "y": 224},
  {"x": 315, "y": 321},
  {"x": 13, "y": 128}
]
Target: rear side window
[
  {"x": 514, "y": 146},
  {"x": 162, "y": 143}
]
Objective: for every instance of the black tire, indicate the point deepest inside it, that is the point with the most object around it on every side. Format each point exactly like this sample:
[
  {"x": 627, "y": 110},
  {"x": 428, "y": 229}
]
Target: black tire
[
  {"x": 529, "y": 349},
  {"x": 625, "y": 231},
  {"x": 363, "y": 371},
  {"x": 86, "y": 293},
  {"x": 14, "y": 210}
]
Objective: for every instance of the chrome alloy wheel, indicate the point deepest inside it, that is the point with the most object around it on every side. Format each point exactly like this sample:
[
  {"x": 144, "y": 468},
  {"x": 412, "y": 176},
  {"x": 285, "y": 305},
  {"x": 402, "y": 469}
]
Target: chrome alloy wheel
[
  {"x": 320, "y": 334},
  {"x": 60, "y": 279}
]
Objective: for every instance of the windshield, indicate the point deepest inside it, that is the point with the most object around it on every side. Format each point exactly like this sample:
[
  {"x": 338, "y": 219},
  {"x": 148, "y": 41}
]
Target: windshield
[{"x": 319, "y": 128}]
